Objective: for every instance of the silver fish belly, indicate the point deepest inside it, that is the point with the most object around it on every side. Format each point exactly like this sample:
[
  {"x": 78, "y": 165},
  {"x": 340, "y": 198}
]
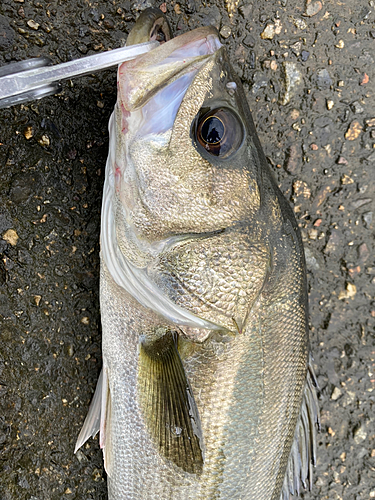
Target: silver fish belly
[{"x": 207, "y": 389}]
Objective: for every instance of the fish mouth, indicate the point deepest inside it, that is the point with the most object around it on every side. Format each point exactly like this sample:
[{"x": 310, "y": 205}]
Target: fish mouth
[{"x": 156, "y": 82}]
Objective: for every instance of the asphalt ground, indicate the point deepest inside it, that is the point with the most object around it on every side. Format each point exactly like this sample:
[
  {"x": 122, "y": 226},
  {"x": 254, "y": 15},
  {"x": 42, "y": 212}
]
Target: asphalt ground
[{"x": 308, "y": 71}]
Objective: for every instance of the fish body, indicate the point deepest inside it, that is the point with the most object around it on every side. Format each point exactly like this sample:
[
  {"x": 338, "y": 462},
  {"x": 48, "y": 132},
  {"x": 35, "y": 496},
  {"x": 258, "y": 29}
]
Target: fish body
[{"x": 207, "y": 391}]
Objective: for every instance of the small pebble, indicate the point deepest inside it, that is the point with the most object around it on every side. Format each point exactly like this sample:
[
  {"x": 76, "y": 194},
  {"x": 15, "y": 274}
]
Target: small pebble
[
  {"x": 32, "y": 24},
  {"x": 330, "y": 104},
  {"x": 82, "y": 48},
  {"x": 271, "y": 30},
  {"x": 312, "y": 8},
  {"x": 292, "y": 78},
  {"x": 367, "y": 219},
  {"x": 355, "y": 128},
  {"x": 349, "y": 292},
  {"x": 311, "y": 260},
  {"x": 300, "y": 188},
  {"x": 300, "y": 23},
  {"x": 11, "y": 237},
  {"x": 360, "y": 435},
  {"x": 28, "y": 132},
  {"x": 342, "y": 161},
  {"x": 109, "y": 24},
  {"x": 273, "y": 65},
  {"x": 336, "y": 394},
  {"x": 324, "y": 79},
  {"x": 291, "y": 159},
  {"x": 296, "y": 48},
  {"x": 231, "y": 6},
  {"x": 340, "y": 44},
  {"x": 345, "y": 179},
  {"x": 240, "y": 54},
  {"x": 249, "y": 41},
  {"x": 361, "y": 202},
  {"x": 81, "y": 457},
  {"x": 365, "y": 79},
  {"x": 294, "y": 114},
  {"x": 353, "y": 271},
  {"x": 44, "y": 141},
  {"x": 96, "y": 475},
  {"x": 363, "y": 252},
  {"x": 225, "y": 31},
  {"x": 357, "y": 108}
]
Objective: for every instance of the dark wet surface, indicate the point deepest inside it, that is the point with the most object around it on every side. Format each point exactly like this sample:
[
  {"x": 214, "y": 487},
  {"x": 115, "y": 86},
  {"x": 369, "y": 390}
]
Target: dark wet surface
[{"x": 310, "y": 84}]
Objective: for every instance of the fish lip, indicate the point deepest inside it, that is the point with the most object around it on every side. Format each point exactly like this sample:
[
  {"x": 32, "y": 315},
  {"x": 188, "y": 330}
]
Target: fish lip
[
  {"x": 141, "y": 78},
  {"x": 207, "y": 33}
]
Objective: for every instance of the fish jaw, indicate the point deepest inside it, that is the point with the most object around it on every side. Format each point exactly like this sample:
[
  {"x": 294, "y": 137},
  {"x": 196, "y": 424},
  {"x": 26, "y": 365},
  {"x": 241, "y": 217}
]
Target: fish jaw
[{"x": 143, "y": 77}]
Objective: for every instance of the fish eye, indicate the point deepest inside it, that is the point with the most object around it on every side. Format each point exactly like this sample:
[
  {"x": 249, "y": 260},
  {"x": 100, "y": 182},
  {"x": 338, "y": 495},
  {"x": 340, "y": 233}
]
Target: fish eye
[{"x": 218, "y": 131}]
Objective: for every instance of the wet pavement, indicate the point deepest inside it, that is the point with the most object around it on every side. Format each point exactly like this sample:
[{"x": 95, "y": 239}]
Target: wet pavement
[{"x": 308, "y": 70}]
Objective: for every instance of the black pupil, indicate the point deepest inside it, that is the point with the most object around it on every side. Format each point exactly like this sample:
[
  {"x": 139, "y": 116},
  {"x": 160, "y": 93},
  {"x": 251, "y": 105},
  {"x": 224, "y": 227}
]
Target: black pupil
[{"x": 212, "y": 130}]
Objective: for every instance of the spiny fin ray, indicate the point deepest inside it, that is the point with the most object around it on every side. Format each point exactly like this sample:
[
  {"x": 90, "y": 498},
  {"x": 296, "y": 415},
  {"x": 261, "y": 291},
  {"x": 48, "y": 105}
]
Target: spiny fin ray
[
  {"x": 91, "y": 425},
  {"x": 303, "y": 453}
]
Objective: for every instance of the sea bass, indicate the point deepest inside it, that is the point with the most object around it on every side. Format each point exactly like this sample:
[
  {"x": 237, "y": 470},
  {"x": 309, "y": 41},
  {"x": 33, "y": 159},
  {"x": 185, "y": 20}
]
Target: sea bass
[{"x": 207, "y": 390}]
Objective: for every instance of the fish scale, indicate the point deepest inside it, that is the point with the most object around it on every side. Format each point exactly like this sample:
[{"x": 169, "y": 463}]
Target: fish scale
[{"x": 207, "y": 390}]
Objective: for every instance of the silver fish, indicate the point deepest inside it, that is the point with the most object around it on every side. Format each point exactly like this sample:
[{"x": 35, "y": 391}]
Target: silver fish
[{"x": 207, "y": 390}]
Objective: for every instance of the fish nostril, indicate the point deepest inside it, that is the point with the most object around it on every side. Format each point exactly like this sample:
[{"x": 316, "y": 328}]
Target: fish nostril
[
  {"x": 160, "y": 31},
  {"x": 151, "y": 25}
]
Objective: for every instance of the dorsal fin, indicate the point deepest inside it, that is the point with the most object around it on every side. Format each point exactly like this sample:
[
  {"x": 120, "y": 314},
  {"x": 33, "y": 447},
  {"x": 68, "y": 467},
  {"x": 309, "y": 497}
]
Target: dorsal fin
[{"x": 303, "y": 453}]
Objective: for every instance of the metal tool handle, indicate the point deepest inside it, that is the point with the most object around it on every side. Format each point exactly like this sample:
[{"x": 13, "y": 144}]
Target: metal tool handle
[{"x": 33, "y": 79}]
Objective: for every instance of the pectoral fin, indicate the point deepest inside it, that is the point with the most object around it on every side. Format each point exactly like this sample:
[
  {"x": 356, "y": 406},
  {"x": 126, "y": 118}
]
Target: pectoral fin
[{"x": 168, "y": 405}]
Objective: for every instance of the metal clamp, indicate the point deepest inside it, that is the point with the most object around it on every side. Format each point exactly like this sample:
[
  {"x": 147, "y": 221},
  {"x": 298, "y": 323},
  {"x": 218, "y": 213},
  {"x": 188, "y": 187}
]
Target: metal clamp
[{"x": 36, "y": 78}]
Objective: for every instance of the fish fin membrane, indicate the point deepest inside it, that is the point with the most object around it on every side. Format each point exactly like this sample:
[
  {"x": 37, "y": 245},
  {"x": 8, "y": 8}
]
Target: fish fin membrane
[
  {"x": 105, "y": 427},
  {"x": 91, "y": 425},
  {"x": 98, "y": 419},
  {"x": 302, "y": 456},
  {"x": 167, "y": 402}
]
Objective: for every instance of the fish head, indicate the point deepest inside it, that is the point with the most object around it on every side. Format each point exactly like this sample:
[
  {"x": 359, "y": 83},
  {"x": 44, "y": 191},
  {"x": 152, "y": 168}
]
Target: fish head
[{"x": 186, "y": 152}]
